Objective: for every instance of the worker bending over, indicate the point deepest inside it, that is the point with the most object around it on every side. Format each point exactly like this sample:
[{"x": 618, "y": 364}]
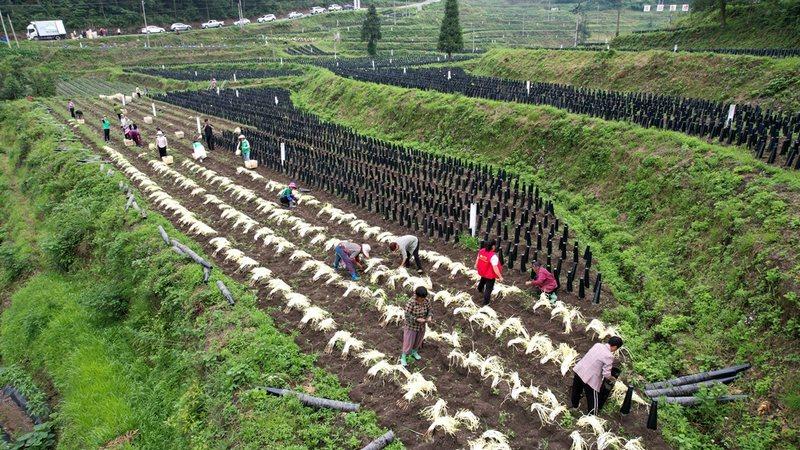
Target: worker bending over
[
  {"x": 590, "y": 372},
  {"x": 408, "y": 246},
  {"x": 350, "y": 253}
]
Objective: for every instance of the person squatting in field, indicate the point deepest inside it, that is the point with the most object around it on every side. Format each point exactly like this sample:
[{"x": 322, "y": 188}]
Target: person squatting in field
[
  {"x": 488, "y": 266},
  {"x": 590, "y": 372},
  {"x": 418, "y": 314},
  {"x": 350, "y": 253},
  {"x": 544, "y": 281},
  {"x": 287, "y": 197},
  {"x": 408, "y": 246}
]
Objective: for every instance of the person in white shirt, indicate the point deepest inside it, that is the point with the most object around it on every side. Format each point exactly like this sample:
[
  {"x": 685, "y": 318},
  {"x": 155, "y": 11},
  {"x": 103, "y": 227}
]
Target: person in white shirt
[
  {"x": 198, "y": 151},
  {"x": 408, "y": 246},
  {"x": 161, "y": 143}
]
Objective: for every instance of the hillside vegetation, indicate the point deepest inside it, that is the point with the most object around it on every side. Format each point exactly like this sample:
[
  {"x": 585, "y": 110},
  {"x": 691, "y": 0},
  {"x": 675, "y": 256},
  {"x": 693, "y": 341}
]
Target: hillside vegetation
[
  {"x": 772, "y": 82},
  {"x": 698, "y": 241},
  {"x": 766, "y": 24},
  {"x": 121, "y": 333}
]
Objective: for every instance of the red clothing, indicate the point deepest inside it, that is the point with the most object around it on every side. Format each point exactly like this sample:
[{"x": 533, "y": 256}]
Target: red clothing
[
  {"x": 484, "y": 264},
  {"x": 545, "y": 280}
]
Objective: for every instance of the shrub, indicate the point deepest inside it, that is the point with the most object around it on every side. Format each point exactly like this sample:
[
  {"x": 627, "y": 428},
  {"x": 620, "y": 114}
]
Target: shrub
[{"x": 105, "y": 303}]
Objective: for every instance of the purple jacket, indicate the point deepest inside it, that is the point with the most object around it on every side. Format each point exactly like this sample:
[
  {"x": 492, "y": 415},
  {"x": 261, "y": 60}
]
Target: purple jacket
[{"x": 595, "y": 365}]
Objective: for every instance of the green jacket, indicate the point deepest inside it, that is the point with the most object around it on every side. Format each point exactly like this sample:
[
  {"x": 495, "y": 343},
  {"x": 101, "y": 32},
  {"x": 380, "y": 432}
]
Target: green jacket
[
  {"x": 106, "y": 124},
  {"x": 245, "y": 147}
]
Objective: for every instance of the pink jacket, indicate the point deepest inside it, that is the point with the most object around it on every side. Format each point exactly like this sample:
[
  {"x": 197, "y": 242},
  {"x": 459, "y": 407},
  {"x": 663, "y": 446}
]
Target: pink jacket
[{"x": 595, "y": 365}]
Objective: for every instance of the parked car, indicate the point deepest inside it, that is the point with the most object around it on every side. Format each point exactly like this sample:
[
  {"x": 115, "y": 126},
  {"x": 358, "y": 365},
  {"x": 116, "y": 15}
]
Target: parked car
[
  {"x": 317, "y": 10},
  {"x": 212, "y": 24},
  {"x": 152, "y": 29},
  {"x": 334, "y": 7},
  {"x": 266, "y": 18},
  {"x": 242, "y": 21},
  {"x": 295, "y": 15},
  {"x": 180, "y": 27}
]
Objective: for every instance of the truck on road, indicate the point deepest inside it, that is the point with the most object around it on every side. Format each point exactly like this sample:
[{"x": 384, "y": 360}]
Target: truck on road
[{"x": 46, "y": 29}]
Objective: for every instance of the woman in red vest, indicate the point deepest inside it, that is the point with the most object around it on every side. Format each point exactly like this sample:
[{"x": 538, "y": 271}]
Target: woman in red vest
[{"x": 488, "y": 266}]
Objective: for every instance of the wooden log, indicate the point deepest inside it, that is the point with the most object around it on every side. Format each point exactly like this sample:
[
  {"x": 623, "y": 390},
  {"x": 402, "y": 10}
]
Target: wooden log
[
  {"x": 225, "y": 292},
  {"x": 164, "y": 235},
  {"x": 315, "y": 402},
  {"x": 197, "y": 258},
  {"x": 381, "y": 442}
]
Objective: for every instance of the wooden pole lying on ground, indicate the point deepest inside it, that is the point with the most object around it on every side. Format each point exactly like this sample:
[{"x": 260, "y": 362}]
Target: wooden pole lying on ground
[
  {"x": 381, "y": 442},
  {"x": 315, "y": 402}
]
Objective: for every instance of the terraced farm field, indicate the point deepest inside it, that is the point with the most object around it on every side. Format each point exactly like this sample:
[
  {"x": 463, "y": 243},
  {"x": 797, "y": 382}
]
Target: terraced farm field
[{"x": 474, "y": 375}]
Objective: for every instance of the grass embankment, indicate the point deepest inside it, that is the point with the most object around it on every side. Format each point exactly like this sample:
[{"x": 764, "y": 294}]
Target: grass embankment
[
  {"x": 759, "y": 25},
  {"x": 697, "y": 241},
  {"x": 771, "y": 82},
  {"x": 122, "y": 333}
]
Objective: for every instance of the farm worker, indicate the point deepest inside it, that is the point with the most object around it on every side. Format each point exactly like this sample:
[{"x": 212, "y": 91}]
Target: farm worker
[
  {"x": 134, "y": 134},
  {"x": 126, "y": 123},
  {"x": 119, "y": 31},
  {"x": 287, "y": 197},
  {"x": 208, "y": 132},
  {"x": 198, "y": 151},
  {"x": 417, "y": 317},
  {"x": 138, "y": 92},
  {"x": 544, "y": 281},
  {"x": 350, "y": 254},
  {"x": 118, "y": 111},
  {"x": 213, "y": 83},
  {"x": 590, "y": 372},
  {"x": 161, "y": 143},
  {"x": 106, "y": 129},
  {"x": 408, "y": 246},
  {"x": 243, "y": 147},
  {"x": 71, "y": 107},
  {"x": 488, "y": 266}
]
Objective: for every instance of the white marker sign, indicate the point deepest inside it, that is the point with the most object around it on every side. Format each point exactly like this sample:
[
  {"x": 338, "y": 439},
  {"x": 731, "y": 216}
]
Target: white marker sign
[
  {"x": 473, "y": 218},
  {"x": 154, "y": 109},
  {"x": 198, "y": 124},
  {"x": 685, "y": 7},
  {"x": 283, "y": 153}
]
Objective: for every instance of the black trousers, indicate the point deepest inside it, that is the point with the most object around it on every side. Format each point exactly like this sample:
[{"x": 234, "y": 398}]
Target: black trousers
[
  {"x": 210, "y": 141},
  {"x": 162, "y": 151},
  {"x": 106, "y": 134},
  {"x": 486, "y": 286},
  {"x": 579, "y": 388},
  {"x": 415, "y": 255},
  {"x": 72, "y": 112}
]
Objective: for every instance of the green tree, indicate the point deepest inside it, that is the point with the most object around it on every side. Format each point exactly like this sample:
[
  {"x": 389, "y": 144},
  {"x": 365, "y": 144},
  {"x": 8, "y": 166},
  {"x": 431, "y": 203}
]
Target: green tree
[
  {"x": 450, "y": 38},
  {"x": 371, "y": 30}
]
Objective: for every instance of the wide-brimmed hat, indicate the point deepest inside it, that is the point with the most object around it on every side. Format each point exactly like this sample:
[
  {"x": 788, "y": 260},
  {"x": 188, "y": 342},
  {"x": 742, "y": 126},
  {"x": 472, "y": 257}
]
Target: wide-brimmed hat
[
  {"x": 160, "y": 133},
  {"x": 241, "y": 136},
  {"x": 292, "y": 185},
  {"x": 365, "y": 248}
]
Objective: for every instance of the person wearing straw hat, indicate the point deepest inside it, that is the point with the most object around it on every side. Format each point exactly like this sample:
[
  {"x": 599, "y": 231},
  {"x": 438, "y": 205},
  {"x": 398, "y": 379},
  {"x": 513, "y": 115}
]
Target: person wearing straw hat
[
  {"x": 350, "y": 253},
  {"x": 287, "y": 197},
  {"x": 418, "y": 314},
  {"x": 243, "y": 147},
  {"x": 161, "y": 143},
  {"x": 198, "y": 151}
]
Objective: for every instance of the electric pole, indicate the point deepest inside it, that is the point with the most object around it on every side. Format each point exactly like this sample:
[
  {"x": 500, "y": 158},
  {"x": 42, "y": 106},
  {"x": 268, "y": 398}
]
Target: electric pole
[{"x": 146, "y": 31}]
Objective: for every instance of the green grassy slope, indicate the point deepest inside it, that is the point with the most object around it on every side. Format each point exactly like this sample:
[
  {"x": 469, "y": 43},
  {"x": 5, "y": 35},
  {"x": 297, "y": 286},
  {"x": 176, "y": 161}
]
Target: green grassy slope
[
  {"x": 697, "y": 241},
  {"x": 774, "y": 24},
  {"x": 772, "y": 82},
  {"x": 123, "y": 333}
]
